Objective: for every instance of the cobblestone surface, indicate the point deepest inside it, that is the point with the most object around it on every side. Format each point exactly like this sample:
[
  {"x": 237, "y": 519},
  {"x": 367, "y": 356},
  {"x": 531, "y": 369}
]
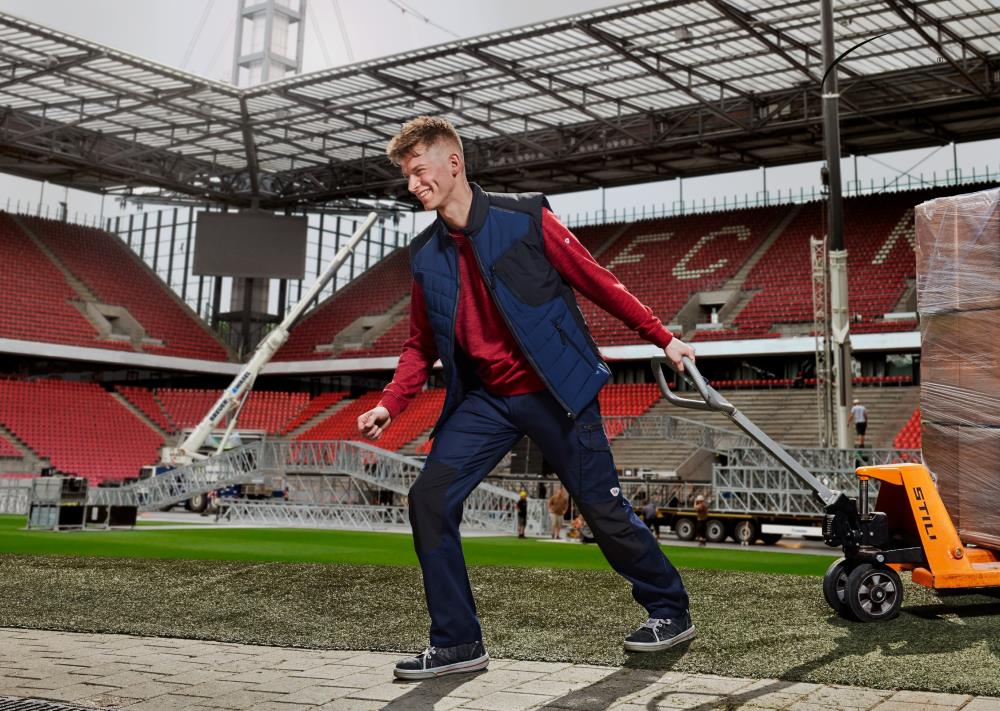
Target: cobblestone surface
[{"x": 123, "y": 672}]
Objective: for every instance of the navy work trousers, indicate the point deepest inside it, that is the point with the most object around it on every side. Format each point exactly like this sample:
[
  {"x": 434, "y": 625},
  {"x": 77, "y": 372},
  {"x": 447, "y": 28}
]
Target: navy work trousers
[{"x": 468, "y": 445}]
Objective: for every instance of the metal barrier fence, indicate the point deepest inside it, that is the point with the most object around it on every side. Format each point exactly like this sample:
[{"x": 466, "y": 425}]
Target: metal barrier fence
[{"x": 14, "y": 496}]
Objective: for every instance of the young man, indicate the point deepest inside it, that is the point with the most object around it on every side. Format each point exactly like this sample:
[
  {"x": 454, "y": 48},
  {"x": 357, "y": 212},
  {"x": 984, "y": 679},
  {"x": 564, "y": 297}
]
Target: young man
[
  {"x": 492, "y": 297},
  {"x": 859, "y": 414}
]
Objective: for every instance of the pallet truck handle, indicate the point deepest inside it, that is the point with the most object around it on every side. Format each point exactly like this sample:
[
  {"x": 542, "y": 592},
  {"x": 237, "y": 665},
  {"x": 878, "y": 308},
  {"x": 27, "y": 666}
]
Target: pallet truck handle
[{"x": 712, "y": 401}]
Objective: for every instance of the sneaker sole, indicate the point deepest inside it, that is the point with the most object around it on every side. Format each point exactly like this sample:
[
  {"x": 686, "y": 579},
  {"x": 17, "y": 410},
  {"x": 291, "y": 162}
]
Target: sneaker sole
[
  {"x": 471, "y": 665},
  {"x": 657, "y": 646}
]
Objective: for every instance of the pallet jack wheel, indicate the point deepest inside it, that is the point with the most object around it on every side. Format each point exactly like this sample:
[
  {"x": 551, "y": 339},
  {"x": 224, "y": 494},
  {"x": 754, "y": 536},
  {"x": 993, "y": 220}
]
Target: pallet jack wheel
[
  {"x": 874, "y": 592},
  {"x": 835, "y": 587}
]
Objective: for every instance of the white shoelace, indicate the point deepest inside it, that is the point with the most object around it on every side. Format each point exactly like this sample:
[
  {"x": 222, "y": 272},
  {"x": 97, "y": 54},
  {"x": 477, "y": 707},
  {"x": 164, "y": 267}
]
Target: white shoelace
[
  {"x": 654, "y": 623},
  {"x": 427, "y": 654}
]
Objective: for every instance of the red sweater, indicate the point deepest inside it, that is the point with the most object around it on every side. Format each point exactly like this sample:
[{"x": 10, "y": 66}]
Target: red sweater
[{"x": 482, "y": 333}]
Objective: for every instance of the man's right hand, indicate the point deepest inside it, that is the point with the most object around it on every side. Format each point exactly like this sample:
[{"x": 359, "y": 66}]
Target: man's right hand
[{"x": 373, "y": 423}]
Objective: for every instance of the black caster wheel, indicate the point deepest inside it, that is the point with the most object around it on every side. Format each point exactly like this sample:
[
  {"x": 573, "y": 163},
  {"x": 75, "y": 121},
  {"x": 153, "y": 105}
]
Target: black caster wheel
[
  {"x": 835, "y": 587},
  {"x": 874, "y": 592}
]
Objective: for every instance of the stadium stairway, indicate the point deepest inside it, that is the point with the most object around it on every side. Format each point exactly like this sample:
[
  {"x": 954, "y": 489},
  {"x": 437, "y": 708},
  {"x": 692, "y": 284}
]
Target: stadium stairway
[
  {"x": 140, "y": 414},
  {"x": 113, "y": 282},
  {"x": 889, "y": 408},
  {"x": 17, "y": 456},
  {"x": 82, "y": 290},
  {"x": 145, "y": 400},
  {"x": 320, "y": 407},
  {"x": 789, "y": 416}
]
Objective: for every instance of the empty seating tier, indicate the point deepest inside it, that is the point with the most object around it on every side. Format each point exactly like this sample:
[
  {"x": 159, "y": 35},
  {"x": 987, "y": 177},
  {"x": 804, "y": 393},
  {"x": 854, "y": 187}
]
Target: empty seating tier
[
  {"x": 118, "y": 278},
  {"x": 665, "y": 261},
  {"x": 626, "y": 400},
  {"x": 372, "y": 294},
  {"x": 144, "y": 400},
  {"x": 79, "y": 427},
  {"x": 264, "y": 410},
  {"x": 343, "y": 424},
  {"x": 36, "y": 303},
  {"x": 909, "y": 436},
  {"x": 879, "y": 238},
  {"x": 318, "y": 404},
  {"x": 8, "y": 450}
]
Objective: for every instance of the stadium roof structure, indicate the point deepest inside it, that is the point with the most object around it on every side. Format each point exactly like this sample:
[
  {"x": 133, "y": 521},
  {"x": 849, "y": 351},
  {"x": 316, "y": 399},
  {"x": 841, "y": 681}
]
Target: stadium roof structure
[{"x": 646, "y": 91}]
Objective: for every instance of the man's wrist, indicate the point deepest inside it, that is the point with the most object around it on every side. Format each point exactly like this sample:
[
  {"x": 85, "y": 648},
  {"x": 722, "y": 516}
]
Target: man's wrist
[{"x": 392, "y": 403}]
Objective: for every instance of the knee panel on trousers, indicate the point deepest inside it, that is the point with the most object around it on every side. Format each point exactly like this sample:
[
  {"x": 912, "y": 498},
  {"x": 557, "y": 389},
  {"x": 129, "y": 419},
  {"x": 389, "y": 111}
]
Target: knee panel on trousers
[
  {"x": 427, "y": 503},
  {"x": 611, "y": 523}
]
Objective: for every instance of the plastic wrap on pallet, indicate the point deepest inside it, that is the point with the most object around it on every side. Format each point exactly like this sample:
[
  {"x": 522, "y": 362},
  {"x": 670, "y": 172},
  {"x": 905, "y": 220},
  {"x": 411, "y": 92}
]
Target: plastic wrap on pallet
[
  {"x": 958, "y": 298},
  {"x": 960, "y": 368},
  {"x": 958, "y": 253},
  {"x": 966, "y": 461}
]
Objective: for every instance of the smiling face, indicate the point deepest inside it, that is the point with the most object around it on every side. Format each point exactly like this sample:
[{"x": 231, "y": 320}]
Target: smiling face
[{"x": 432, "y": 173}]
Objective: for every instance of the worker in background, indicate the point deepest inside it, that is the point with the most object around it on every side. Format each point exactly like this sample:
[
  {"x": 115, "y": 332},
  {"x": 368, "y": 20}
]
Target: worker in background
[
  {"x": 701, "y": 516},
  {"x": 859, "y": 415},
  {"x": 522, "y": 513},
  {"x": 558, "y": 506}
]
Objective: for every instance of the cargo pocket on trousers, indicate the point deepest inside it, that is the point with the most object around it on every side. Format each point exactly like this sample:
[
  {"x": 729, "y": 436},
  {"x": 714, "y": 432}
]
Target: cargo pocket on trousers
[{"x": 598, "y": 479}]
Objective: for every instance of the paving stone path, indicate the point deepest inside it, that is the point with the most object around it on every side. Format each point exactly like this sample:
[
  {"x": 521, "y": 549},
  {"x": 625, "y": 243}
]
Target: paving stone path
[{"x": 73, "y": 671}]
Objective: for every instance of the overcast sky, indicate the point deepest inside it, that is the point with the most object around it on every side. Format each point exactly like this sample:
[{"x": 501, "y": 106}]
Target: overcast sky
[{"x": 197, "y": 35}]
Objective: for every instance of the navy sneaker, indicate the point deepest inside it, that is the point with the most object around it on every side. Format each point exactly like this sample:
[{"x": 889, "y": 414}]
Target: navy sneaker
[
  {"x": 656, "y": 634},
  {"x": 438, "y": 661}
]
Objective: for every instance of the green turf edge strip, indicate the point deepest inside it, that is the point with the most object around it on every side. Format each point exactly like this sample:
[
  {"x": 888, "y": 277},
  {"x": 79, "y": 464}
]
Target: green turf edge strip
[{"x": 364, "y": 547}]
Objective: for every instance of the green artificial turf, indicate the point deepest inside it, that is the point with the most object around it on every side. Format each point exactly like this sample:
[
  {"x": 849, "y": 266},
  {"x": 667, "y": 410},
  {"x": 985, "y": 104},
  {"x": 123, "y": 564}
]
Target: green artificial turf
[
  {"x": 749, "y": 624},
  {"x": 362, "y": 547}
]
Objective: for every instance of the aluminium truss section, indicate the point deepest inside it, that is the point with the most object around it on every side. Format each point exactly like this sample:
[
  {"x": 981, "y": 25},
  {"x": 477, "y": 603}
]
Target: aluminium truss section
[
  {"x": 298, "y": 515},
  {"x": 361, "y": 460},
  {"x": 823, "y": 459},
  {"x": 236, "y": 466},
  {"x": 822, "y": 338},
  {"x": 681, "y": 429},
  {"x": 366, "y": 516},
  {"x": 751, "y": 490},
  {"x": 378, "y": 467},
  {"x": 753, "y": 482}
]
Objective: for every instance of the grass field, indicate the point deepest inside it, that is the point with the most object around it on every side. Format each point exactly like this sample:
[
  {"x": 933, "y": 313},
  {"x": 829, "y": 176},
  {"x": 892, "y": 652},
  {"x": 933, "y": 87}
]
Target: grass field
[
  {"x": 359, "y": 547},
  {"x": 561, "y": 603},
  {"x": 749, "y": 624}
]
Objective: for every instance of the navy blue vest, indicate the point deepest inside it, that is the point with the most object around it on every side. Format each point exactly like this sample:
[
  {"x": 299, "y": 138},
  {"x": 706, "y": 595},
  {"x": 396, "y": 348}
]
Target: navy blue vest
[{"x": 505, "y": 231}]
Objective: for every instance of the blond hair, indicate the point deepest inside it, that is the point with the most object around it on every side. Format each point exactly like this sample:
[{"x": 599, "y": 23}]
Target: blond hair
[{"x": 426, "y": 130}]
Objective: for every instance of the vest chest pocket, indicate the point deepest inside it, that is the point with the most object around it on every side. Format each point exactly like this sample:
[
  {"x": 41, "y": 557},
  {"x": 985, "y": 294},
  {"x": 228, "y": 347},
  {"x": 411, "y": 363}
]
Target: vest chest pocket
[{"x": 528, "y": 274}]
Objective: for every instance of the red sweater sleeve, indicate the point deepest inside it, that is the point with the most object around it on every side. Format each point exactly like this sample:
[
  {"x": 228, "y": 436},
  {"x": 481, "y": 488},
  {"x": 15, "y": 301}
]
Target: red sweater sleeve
[
  {"x": 577, "y": 266},
  {"x": 419, "y": 354}
]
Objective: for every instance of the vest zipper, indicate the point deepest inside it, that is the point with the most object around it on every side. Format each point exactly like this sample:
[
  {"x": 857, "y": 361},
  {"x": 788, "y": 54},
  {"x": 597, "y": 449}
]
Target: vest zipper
[
  {"x": 510, "y": 327},
  {"x": 566, "y": 339}
]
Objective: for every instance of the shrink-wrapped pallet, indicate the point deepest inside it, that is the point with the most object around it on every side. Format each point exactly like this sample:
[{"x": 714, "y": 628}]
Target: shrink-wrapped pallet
[
  {"x": 960, "y": 368},
  {"x": 958, "y": 253},
  {"x": 958, "y": 297}
]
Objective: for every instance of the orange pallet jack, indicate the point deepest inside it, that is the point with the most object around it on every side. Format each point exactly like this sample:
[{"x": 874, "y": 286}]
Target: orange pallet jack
[{"x": 909, "y": 529}]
